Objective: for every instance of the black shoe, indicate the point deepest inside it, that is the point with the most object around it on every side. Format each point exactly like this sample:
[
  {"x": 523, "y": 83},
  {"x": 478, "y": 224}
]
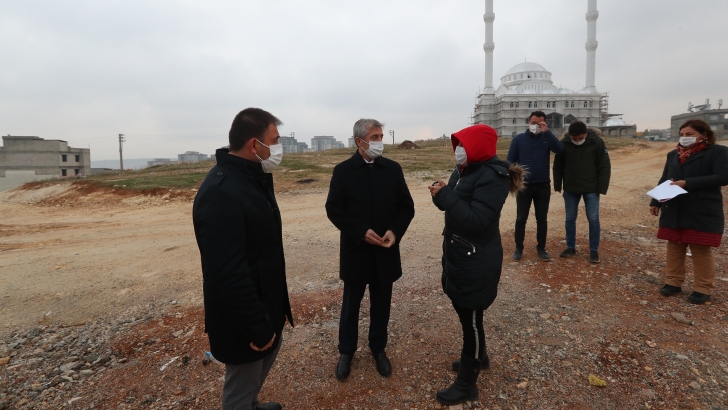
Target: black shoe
[
  {"x": 465, "y": 387},
  {"x": 343, "y": 368},
  {"x": 669, "y": 290},
  {"x": 271, "y": 405},
  {"x": 543, "y": 254},
  {"x": 568, "y": 253},
  {"x": 594, "y": 257},
  {"x": 698, "y": 298},
  {"x": 384, "y": 367},
  {"x": 518, "y": 254},
  {"x": 484, "y": 364}
]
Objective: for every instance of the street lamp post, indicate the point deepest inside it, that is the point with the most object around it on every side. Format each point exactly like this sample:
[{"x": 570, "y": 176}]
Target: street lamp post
[{"x": 391, "y": 132}]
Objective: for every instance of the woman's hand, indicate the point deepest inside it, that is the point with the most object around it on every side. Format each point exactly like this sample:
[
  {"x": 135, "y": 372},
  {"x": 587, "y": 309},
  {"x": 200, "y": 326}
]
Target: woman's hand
[
  {"x": 655, "y": 210},
  {"x": 682, "y": 184},
  {"x": 435, "y": 188}
]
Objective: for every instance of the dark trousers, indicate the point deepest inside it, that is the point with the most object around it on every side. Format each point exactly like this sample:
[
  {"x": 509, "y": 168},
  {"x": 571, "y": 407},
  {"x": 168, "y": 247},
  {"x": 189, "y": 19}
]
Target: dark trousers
[
  {"x": 540, "y": 195},
  {"x": 380, "y": 297},
  {"x": 243, "y": 381},
  {"x": 473, "y": 333}
]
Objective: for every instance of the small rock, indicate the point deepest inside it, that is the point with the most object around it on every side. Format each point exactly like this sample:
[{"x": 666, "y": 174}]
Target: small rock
[
  {"x": 177, "y": 333},
  {"x": 682, "y": 357},
  {"x": 179, "y": 392},
  {"x": 681, "y": 318},
  {"x": 522, "y": 385},
  {"x": 695, "y": 385},
  {"x": 648, "y": 393},
  {"x": 4, "y": 360},
  {"x": 545, "y": 316},
  {"x": 86, "y": 372}
]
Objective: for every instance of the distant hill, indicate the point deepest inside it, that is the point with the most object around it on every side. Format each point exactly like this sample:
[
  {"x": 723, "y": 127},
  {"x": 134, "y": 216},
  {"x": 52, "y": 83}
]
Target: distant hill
[{"x": 131, "y": 163}]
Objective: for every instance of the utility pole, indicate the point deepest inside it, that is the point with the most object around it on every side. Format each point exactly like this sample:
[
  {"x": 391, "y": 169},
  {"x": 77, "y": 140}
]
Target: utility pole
[
  {"x": 121, "y": 157},
  {"x": 293, "y": 135},
  {"x": 391, "y": 132}
]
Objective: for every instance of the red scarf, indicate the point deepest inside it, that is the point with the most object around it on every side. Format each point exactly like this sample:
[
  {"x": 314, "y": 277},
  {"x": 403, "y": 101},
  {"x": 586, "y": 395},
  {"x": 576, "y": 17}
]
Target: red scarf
[{"x": 686, "y": 153}]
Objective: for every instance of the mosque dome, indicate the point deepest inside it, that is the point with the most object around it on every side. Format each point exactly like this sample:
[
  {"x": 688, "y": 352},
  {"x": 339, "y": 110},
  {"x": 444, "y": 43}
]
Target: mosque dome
[
  {"x": 524, "y": 73},
  {"x": 565, "y": 91},
  {"x": 614, "y": 122},
  {"x": 527, "y": 67}
]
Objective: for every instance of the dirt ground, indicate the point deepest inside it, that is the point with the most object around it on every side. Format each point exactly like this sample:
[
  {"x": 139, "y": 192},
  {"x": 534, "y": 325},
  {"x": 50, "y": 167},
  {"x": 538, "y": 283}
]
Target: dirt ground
[{"x": 89, "y": 261}]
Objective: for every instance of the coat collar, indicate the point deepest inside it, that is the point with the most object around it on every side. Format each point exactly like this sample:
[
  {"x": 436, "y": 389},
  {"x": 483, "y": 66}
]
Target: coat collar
[
  {"x": 359, "y": 161},
  {"x": 242, "y": 165},
  {"x": 695, "y": 156}
]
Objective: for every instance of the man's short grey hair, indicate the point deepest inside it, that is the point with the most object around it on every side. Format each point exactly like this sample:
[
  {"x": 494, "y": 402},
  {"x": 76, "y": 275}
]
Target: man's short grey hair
[{"x": 362, "y": 127}]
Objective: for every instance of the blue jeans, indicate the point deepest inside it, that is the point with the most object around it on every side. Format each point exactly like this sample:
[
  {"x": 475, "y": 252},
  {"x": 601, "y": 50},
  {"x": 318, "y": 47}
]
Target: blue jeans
[{"x": 571, "y": 205}]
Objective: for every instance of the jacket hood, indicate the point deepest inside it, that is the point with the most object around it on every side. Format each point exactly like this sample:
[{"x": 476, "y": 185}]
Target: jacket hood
[{"x": 479, "y": 142}]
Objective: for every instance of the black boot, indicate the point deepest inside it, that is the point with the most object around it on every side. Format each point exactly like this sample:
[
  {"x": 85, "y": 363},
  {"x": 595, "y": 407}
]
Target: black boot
[
  {"x": 484, "y": 364},
  {"x": 465, "y": 387}
]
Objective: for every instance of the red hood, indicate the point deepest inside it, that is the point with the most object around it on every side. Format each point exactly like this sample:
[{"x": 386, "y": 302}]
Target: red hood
[{"x": 478, "y": 140}]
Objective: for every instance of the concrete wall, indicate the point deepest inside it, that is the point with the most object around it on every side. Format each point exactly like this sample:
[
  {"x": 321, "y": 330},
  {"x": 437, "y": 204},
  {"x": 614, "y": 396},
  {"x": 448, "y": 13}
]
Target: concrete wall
[{"x": 13, "y": 179}]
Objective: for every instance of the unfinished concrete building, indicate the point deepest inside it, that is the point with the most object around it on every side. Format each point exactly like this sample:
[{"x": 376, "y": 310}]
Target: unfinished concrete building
[{"x": 26, "y": 159}]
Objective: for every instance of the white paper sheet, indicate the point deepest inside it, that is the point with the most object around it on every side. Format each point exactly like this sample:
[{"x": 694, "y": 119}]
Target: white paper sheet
[{"x": 665, "y": 191}]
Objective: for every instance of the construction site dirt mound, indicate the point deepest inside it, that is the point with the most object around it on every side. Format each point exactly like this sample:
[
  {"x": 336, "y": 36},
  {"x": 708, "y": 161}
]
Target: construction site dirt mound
[{"x": 408, "y": 145}]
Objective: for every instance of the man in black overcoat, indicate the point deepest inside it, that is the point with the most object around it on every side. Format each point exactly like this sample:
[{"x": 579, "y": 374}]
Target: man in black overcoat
[
  {"x": 371, "y": 205},
  {"x": 238, "y": 230}
]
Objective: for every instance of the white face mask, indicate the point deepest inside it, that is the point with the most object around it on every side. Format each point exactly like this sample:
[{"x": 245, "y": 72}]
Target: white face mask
[
  {"x": 687, "y": 141},
  {"x": 276, "y": 155},
  {"x": 460, "y": 156},
  {"x": 578, "y": 142},
  {"x": 375, "y": 149},
  {"x": 534, "y": 128}
]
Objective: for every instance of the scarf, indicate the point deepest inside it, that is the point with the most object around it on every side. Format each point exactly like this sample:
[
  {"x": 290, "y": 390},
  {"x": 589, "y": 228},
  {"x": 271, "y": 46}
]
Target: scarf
[{"x": 686, "y": 153}]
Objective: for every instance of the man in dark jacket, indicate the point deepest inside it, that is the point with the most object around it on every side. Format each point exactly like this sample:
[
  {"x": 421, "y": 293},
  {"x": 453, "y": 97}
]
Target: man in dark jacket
[
  {"x": 583, "y": 169},
  {"x": 238, "y": 230},
  {"x": 532, "y": 150},
  {"x": 371, "y": 205}
]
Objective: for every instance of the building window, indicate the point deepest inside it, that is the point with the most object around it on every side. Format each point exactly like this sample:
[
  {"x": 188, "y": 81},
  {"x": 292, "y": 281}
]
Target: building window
[
  {"x": 713, "y": 117},
  {"x": 78, "y": 158},
  {"x": 572, "y": 104},
  {"x": 64, "y": 172},
  {"x": 514, "y": 120},
  {"x": 584, "y": 104},
  {"x": 548, "y": 104},
  {"x": 725, "y": 126},
  {"x": 530, "y": 104},
  {"x": 535, "y": 104},
  {"x": 567, "y": 104},
  {"x": 517, "y": 104},
  {"x": 76, "y": 171},
  {"x": 714, "y": 127},
  {"x": 587, "y": 120},
  {"x": 64, "y": 158},
  {"x": 591, "y": 104},
  {"x": 511, "y": 104}
]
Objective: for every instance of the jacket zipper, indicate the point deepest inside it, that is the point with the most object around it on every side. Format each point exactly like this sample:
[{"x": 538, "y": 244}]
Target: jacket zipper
[{"x": 464, "y": 242}]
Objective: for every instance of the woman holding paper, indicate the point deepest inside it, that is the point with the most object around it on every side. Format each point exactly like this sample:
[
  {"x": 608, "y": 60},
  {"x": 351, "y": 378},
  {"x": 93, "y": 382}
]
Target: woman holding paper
[{"x": 695, "y": 218}]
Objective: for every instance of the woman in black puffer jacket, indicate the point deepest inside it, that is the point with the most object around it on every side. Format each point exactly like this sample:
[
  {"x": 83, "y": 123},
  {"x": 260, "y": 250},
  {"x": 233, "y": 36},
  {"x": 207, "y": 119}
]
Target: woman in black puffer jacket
[{"x": 472, "y": 250}]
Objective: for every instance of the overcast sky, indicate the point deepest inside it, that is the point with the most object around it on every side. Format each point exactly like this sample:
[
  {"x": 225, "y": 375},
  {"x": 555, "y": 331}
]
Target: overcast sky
[{"x": 171, "y": 75}]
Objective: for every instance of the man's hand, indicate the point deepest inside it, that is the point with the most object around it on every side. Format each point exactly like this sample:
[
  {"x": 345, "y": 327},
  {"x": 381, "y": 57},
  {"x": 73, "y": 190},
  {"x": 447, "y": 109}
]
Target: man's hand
[
  {"x": 544, "y": 127},
  {"x": 655, "y": 210},
  {"x": 682, "y": 184},
  {"x": 264, "y": 348},
  {"x": 388, "y": 240},
  {"x": 372, "y": 238},
  {"x": 435, "y": 188}
]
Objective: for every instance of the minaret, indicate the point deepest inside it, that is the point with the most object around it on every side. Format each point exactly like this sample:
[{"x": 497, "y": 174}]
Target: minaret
[
  {"x": 591, "y": 46},
  {"x": 489, "y": 46}
]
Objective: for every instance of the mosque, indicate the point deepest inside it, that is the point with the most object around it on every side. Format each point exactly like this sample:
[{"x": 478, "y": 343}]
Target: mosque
[{"x": 528, "y": 87}]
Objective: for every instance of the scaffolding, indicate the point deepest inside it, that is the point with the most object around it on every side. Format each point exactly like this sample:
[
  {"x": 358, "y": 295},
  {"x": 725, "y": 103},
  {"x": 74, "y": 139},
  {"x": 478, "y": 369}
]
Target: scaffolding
[{"x": 603, "y": 108}]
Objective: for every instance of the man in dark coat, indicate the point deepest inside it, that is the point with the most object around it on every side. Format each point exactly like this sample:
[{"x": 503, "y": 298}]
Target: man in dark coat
[
  {"x": 583, "y": 169},
  {"x": 238, "y": 230},
  {"x": 371, "y": 205},
  {"x": 532, "y": 150}
]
